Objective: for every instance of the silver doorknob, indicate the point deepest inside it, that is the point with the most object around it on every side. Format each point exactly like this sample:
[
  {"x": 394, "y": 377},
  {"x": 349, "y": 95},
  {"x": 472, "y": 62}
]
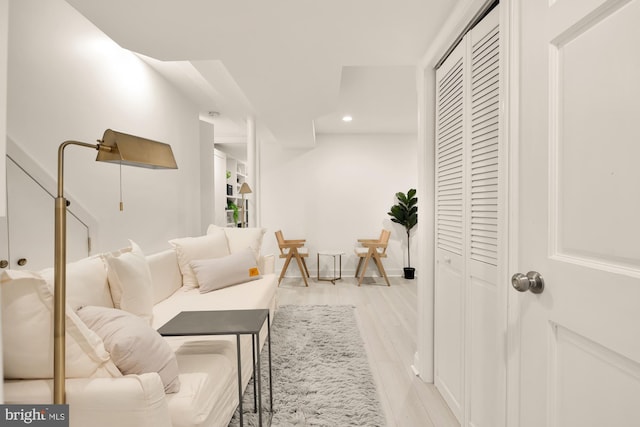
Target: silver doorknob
[
  {"x": 532, "y": 281},
  {"x": 22, "y": 261}
]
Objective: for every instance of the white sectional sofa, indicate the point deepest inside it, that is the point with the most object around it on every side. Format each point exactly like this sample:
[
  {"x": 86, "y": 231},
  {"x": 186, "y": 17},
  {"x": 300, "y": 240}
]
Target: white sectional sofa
[{"x": 97, "y": 391}]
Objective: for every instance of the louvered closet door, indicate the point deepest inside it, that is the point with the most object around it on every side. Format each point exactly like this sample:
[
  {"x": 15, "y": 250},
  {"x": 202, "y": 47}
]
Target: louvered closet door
[
  {"x": 450, "y": 225},
  {"x": 485, "y": 294},
  {"x": 469, "y": 330}
]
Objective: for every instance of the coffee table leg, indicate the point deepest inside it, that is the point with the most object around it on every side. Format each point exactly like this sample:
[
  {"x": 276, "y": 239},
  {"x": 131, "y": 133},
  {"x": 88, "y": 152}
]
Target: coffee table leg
[
  {"x": 253, "y": 350},
  {"x": 334, "y": 271},
  {"x": 270, "y": 377},
  {"x": 259, "y": 376},
  {"x": 239, "y": 378}
]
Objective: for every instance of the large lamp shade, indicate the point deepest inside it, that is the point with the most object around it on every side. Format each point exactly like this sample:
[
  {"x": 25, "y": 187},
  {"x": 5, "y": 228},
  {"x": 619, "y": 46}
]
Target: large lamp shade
[{"x": 135, "y": 151}]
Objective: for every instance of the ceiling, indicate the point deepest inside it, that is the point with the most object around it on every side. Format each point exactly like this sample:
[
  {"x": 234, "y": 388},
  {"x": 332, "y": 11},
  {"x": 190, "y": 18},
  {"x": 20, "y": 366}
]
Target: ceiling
[{"x": 296, "y": 66}]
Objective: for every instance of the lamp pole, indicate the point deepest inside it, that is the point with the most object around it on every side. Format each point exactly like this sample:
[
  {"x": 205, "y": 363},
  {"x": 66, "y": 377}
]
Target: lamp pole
[
  {"x": 244, "y": 189},
  {"x": 60, "y": 275}
]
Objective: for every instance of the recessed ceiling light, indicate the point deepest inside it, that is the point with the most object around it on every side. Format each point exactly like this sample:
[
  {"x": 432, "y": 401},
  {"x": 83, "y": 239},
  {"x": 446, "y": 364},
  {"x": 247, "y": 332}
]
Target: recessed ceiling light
[{"x": 347, "y": 118}]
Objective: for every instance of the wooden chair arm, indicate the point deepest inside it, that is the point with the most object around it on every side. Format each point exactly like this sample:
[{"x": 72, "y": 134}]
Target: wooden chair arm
[
  {"x": 295, "y": 241},
  {"x": 374, "y": 244},
  {"x": 368, "y": 240},
  {"x": 291, "y": 245}
]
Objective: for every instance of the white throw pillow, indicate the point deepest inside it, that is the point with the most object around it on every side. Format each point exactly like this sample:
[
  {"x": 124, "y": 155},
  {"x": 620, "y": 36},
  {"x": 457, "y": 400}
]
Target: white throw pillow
[
  {"x": 135, "y": 347},
  {"x": 130, "y": 281},
  {"x": 233, "y": 269},
  {"x": 241, "y": 238},
  {"x": 27, "y": 332},
  {"x": 192, "y": 248},
  {"x": 86, "y": 282}
]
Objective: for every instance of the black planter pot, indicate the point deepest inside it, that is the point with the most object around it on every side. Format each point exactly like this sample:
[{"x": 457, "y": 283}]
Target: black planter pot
[{"x": 409, "y": 272}]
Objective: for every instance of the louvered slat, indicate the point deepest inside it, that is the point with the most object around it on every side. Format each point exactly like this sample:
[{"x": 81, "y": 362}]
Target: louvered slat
[
  {"x": 484, "y": 154},
  {"x": 449, "y": 160}
]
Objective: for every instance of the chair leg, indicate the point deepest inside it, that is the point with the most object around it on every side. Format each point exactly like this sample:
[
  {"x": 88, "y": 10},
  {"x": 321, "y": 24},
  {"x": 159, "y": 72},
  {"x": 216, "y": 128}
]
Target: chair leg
[
  {"x": 364, "y": 267},
  {"x": 305, "y": 266},
  {"x": 375, "y": 261},
  {"x": 359, "y": 264},
  {"x": 378, "y": 261},
  {"x": 301, "y": 267},
  {"x": 284, "y": 267}
]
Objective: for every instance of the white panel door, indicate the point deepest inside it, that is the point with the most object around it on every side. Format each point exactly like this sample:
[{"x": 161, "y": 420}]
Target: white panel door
[
  {"x": 579, "y": 214},
  {"x": 31, "y": 224}
]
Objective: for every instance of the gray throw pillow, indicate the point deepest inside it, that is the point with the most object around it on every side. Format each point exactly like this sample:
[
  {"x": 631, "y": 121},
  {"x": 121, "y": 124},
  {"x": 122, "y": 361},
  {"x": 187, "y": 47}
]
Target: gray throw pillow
[{"x": 217, "y": 273}]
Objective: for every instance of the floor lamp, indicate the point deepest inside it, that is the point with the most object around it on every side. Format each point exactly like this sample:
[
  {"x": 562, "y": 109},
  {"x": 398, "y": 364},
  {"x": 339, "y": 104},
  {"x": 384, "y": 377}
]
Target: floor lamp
[
  {"x": 115, "y": 147},
  {"x": 244, "y": 189}
]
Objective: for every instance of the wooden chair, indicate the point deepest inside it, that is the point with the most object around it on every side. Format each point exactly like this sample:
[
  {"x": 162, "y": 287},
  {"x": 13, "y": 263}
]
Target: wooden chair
[
  {"x": 293, "y": 249},
  {"x": 375, "y": 249}
]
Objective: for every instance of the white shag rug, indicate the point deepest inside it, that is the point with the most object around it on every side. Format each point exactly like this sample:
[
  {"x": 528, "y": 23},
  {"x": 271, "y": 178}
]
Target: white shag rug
[{"x": 321, "y": 376}]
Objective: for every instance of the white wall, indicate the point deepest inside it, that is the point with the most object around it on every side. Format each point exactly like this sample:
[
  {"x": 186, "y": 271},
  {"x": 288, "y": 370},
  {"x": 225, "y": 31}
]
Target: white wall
[
  {"x": 4, "y": 44},
  {"x": 67, "y": 80},
  {"x": 4, "y": 19},
  {"x": 337, "y": 192},
  {"x": 207, "y": 191}
]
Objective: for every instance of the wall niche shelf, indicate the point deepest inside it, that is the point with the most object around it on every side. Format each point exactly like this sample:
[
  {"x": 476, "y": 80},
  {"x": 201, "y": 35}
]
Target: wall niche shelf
[{"x": 227, "y": 190}]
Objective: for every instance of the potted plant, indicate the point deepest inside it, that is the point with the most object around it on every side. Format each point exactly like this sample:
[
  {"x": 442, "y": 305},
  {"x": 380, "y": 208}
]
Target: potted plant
[
  {"x": 234, "y": 208},
  {"x": 405, "y": 213}
]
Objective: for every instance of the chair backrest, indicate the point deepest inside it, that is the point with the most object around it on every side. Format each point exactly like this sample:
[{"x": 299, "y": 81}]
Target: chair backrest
[
  {"x": 280, "y": 240},
  {"x": 384, "y": 240}
]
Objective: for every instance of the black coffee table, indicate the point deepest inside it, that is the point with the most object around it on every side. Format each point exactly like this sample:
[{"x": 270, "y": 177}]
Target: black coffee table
[{"x": 229, "y": 322}]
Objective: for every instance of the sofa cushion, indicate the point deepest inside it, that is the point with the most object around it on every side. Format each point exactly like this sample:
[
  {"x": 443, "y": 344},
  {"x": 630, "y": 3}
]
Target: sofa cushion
[
  {"x": 27, "y": 331},
  {"x": 193, "y": 248},
  {"x": 165, "y": 274},
  {"x": 128, "y": 401},
  {"x": 256, "y": 294},
  {"x": 130, "y": 281},
  {"x": 218, "y": 273},
  {"x": 241, "y": 238},
  {"x": 208, "y": 393},
  {"x": 87, "y": 282},
  {"x": 135, "y": 347}
]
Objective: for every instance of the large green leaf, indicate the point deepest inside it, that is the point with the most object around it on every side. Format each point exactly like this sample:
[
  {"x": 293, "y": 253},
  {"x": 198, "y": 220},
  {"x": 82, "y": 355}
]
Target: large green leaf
[{"x": 405, "y": 211}]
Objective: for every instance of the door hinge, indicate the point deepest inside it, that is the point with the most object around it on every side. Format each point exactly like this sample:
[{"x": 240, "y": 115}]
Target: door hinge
[{"x": 88, "y": 245}]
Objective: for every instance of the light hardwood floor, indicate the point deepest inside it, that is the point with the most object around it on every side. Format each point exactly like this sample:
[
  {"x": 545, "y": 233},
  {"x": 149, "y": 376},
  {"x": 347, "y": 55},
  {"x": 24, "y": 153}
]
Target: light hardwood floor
[{"x": 387, "y": 317}]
